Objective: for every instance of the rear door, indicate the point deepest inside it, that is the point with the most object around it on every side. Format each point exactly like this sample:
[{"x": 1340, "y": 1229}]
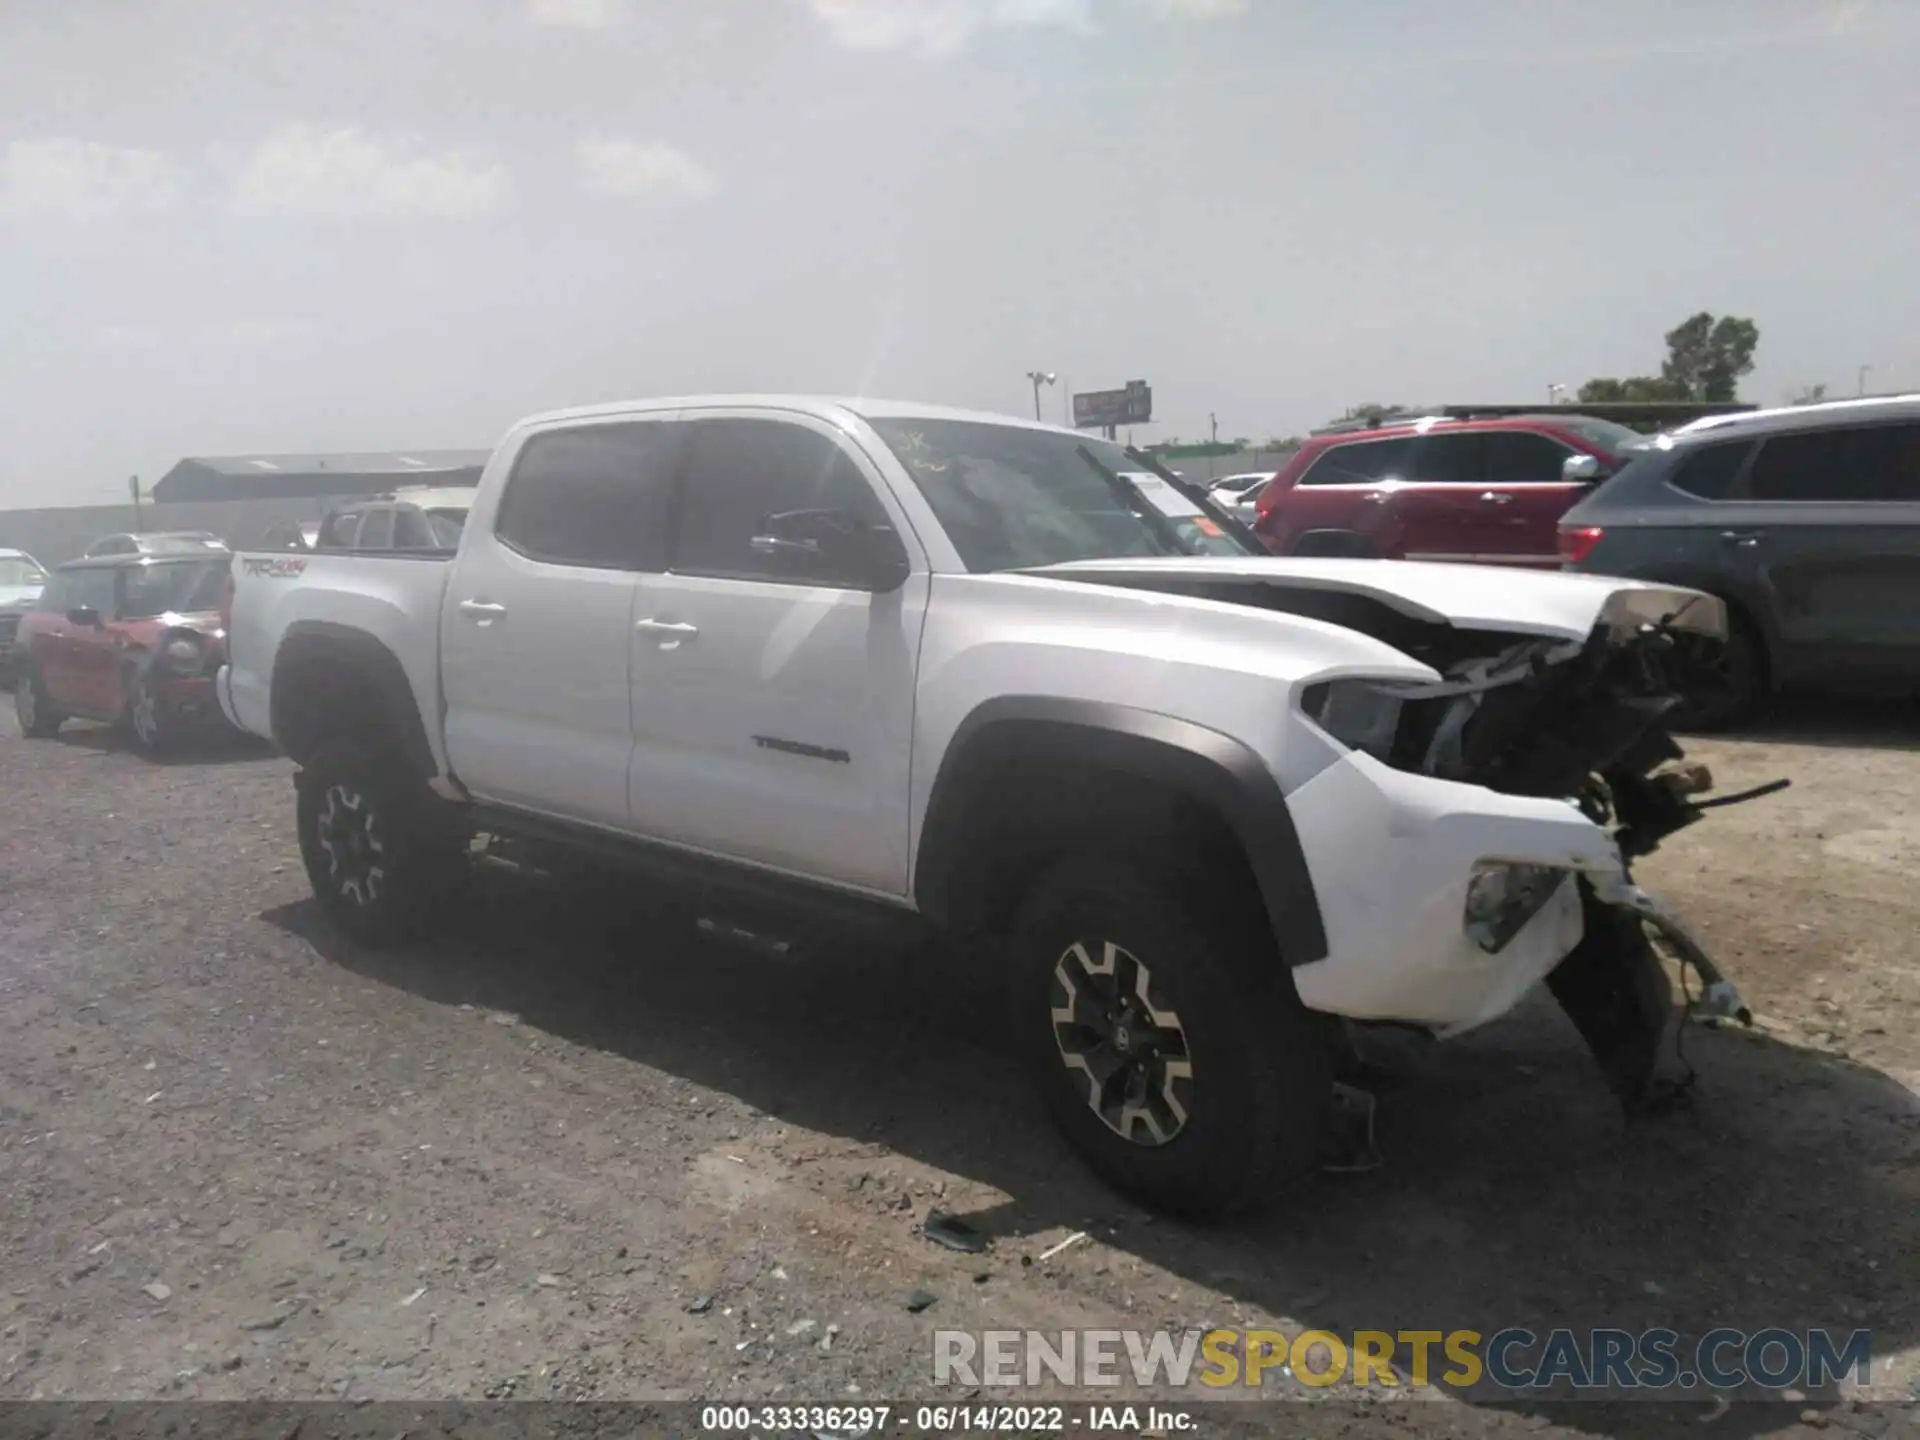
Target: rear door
[
  {"x": 538, "y": 618},
  {"x": 1443, "y": 514},
  {"x": 1345, "y": 502},
  {"x": 1829, "y": 523}
]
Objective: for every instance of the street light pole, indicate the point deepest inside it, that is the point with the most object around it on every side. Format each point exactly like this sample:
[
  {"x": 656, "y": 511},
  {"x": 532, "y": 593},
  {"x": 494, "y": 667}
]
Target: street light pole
[{"x": 1039, "y": 378}]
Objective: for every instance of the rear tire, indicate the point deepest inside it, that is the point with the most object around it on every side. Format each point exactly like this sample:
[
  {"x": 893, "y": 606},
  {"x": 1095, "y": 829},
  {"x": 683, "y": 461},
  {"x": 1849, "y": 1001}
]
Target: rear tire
[
  {"x": 382, "y": 855},
  {"x": 32, "y": 707},
  {"x": 1207, "y": 1094}
]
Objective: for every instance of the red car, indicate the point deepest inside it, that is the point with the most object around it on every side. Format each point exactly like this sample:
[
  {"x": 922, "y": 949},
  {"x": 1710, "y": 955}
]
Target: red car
[
  {"x": 130, "y": 639},
  {"x": 1482, "y": 491}
]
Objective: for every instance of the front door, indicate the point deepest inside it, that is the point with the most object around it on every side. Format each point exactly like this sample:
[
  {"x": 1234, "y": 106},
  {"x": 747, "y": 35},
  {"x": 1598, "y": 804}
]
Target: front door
[
  {"x": 1524, "y": 495},
  {"x": 772, "y": 701},
  {"x": 538, "y": 615},
  {"x": 92, "y": 668}
]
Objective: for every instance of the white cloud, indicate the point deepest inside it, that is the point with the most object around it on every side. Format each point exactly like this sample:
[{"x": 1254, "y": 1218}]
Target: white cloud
[
  {"x": 1195, "y": 9},
  {"x": 574, "y": 14},
  {"x": 305, "y": 170},
  {"x": 939, "y": 27},
  {"x": 628, "y": 168},
  {"x": 84, "y": 179}
]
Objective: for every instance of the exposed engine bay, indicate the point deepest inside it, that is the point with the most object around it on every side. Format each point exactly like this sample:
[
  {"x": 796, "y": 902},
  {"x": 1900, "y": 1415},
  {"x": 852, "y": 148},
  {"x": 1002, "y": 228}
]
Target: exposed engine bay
[{"x": 1577, "y": 710}]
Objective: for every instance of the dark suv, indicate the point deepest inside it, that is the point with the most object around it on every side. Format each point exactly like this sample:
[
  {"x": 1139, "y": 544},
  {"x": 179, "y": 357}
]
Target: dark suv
[
  {"x": 1482, "y": 491},
  {"x": 1806, "y": 521}
]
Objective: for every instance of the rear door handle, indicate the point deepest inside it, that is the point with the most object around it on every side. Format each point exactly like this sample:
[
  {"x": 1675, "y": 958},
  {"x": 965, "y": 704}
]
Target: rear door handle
[
  {"x": 1495, "y": 497},
  {"x": 485, "y": 611},
  {"x": 1745, "y": 539},
  {"x": 669, "y": 631}
]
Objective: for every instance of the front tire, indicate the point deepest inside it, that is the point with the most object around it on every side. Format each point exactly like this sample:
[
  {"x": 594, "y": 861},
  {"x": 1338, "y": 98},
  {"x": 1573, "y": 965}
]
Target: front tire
[
  {"x": 143, "y": 719},
  {"x": 1165, "y": 1035},
  {"x": 380, "y": 853},
  {"x": 33, "y": 707}
]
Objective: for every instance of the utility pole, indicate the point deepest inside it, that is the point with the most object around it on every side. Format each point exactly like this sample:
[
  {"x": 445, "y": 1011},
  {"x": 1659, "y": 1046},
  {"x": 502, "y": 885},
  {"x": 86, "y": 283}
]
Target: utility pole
[
  {"x": 1213, "y": 425},
  {"x": 133, "y": 488},
  {"x": 1039, "y": 378}
]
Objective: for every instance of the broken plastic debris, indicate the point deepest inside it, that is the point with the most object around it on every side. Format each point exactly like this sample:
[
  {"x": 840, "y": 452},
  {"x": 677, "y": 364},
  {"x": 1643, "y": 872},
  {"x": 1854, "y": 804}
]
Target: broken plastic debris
[
  {"x": 919, "y": 1300},
  {"x": 414, "y": 1296},
  {"x": 158, "y": 1290},
  {"x": 1073, "y": 1239},
  {"x": 701, "y": 1305},
  {"x": 954, "y": 1233}
]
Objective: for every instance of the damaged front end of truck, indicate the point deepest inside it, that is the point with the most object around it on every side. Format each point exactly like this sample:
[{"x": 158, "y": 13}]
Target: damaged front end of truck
[
  {"x": 1585, "y": 721},
  {"x": 1546, "y": 686}
]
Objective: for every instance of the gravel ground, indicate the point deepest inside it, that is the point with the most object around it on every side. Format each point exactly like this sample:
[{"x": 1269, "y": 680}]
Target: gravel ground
[{"x": 572, "y": 1150}]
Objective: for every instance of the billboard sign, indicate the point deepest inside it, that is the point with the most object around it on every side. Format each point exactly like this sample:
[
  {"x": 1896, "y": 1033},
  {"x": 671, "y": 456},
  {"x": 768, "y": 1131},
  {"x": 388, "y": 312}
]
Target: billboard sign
[{"x": 1131, "y": 406}]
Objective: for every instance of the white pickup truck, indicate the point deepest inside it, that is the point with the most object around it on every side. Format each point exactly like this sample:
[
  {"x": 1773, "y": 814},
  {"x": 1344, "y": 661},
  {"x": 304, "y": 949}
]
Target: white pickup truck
[{"x": 828, "y": 662}]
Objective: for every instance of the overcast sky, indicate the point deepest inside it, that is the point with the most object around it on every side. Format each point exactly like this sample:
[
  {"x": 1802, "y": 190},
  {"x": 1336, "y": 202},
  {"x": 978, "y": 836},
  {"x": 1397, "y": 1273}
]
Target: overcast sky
[{"x": 365, "y": 224}]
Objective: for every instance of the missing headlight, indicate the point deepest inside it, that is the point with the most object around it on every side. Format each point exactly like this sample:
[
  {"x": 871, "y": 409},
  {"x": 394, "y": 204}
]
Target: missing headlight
[
  {"x": 1502, "y": 898},
  {"x": 1357, "y": 713}
]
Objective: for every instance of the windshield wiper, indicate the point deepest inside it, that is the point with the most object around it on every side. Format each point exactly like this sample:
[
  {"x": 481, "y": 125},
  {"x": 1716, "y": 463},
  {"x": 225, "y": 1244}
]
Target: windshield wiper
[
  {"x": 1129, "y": 496},
  {"x": 1202, "y": 497}
]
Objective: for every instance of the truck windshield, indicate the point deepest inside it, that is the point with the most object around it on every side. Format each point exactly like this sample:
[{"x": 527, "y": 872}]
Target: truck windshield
[
  {"x": 1010, "y": 498},
  {"x": 179, "y": 587},
  {"x": 14, "y": 571}
]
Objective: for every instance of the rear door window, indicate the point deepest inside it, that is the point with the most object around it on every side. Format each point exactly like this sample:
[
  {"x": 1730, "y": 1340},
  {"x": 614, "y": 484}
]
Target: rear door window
[
  {"x": 1520, "y": 457},
  {"x": 1708, "y": 472},
  {"x": 1856, "y": 463},
  {"x": 595, "y": 496},
  {"x": 1363, "y": 462}
]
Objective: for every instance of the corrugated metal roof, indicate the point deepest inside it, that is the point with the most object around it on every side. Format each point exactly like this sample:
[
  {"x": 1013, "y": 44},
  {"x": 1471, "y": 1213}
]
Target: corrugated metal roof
[{"x": 234, "y": 477}]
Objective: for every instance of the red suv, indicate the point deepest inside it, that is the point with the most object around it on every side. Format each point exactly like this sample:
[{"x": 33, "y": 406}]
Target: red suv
[
  {"x": 1482, "y": 491},
  {"x": 133, "y": 639}
]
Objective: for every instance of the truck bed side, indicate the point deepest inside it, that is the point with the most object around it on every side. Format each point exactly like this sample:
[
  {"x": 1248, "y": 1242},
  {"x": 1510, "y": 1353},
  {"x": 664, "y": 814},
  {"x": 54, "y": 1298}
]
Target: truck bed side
[{"x": 349, "y": 606}]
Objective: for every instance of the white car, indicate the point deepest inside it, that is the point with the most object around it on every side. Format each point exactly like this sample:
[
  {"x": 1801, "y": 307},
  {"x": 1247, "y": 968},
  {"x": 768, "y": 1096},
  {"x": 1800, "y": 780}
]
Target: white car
[
  {"x": 1239, "y": 493},
  {"x": 830, "y": 662},
  {"x": 22, "y": 578}
]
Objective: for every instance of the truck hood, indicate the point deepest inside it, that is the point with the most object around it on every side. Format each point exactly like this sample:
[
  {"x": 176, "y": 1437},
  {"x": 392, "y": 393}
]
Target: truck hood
[{"x": 1549, "y": 604}]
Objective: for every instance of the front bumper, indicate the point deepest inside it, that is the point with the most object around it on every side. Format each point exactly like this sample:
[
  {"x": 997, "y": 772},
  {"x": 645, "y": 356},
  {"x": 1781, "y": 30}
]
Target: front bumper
[{"x": 1392, "y": 855}]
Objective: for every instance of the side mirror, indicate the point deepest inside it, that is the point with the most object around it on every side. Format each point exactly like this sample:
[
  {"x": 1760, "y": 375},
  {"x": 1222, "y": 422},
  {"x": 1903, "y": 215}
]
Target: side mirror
[
  {"x": 84, "y": 615},
  {"x": 1580, "y": 470},
  {"x": 835, "y": 547}
]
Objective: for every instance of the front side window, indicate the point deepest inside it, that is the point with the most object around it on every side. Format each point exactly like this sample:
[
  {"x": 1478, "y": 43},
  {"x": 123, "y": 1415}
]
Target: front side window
[
  {"x": 592, "y": 496},
  {"x": 1519, "y": 457},
  {"x": 749, "y": 482},
  {"x": 170, "y": 587},
  {"x": 1362, "y": 462},
  {"x": 1010, "y": 498},
  {"x": 90, "y": 589},
  {"x": 1456, "y": 459},
  {"x": 1853, "y": 463}
]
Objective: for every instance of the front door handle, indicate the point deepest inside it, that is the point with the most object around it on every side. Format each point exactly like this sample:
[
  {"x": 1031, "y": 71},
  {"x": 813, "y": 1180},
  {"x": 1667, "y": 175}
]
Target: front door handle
[
  {"x": 1495, "y": 497},
  {"x": 484, "y": 611},
  {"x": 1745, "y": 539},
  {"x": 671, "y": 632}
]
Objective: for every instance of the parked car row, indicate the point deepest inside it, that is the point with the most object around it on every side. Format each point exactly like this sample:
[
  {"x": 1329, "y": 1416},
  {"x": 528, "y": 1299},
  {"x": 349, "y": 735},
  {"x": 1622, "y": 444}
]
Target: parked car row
[{"x": 1805, "y": 521}]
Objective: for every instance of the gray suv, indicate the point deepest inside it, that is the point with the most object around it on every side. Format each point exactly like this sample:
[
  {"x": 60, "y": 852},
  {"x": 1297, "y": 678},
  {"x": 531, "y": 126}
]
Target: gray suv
[{"x": 1806, "y": 521}]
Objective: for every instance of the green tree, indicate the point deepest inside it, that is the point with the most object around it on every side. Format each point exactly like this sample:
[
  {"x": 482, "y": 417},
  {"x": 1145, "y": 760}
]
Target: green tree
[
  {"x": 1706, "y": 357},
  {"x": 1633, "y": 389}
]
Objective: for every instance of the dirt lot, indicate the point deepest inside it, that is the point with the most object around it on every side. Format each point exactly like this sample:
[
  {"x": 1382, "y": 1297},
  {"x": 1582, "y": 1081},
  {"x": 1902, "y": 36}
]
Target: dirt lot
[{"x": 573, "y": 1150}]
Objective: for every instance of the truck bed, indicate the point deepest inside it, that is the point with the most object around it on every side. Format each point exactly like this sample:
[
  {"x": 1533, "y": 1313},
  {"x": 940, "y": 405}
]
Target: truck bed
[{"x": 393, "y": 598}]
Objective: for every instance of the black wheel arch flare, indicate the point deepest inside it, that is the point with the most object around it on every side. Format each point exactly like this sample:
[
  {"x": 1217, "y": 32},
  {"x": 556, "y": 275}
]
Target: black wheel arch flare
[{"x": 1204, "y": 764}]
